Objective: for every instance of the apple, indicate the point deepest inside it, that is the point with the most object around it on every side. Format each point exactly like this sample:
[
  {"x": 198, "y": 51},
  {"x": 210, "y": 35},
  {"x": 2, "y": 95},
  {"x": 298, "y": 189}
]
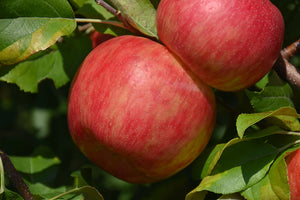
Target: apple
[
  {"x": 229, "y": 44},
  {"x": 97, "y": 38},
  {"x": 293, "y": 168},
  {"x": 137, "y": 112}
]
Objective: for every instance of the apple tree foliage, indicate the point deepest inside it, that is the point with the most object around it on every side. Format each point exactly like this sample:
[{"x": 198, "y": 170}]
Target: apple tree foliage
[{"x": 42, "y": 44}]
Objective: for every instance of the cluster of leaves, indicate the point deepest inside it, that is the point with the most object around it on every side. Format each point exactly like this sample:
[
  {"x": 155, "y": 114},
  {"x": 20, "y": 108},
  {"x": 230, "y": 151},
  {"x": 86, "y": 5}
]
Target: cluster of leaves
[{"x": 42, "y": 41}]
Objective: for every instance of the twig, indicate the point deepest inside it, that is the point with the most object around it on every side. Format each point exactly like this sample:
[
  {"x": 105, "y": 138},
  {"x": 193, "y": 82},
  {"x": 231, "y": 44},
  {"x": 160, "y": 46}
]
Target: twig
[
  {"x": 109, "y": 9},
  {"x": 114, "y": 23},
  {"x": 284, "y": 68},
  {"x": 119, "y": 15},
  {"x": 86, "y": 27},
  {"x": 291, "y": 50},
  {"x": 15, "y": 177}
]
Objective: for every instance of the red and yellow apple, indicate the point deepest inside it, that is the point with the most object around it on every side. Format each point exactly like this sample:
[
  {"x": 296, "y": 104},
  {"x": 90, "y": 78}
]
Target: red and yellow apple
[
  {"x": 293, "y": 168},
  {"x": 97, "y": 38},
  {"x": 229, "y": 44},
  {"x": 137, "y": 112}
]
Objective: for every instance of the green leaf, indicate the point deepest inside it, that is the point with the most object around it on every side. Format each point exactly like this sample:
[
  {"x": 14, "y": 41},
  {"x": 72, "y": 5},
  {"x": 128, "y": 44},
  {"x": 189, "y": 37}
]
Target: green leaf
[
  {"x": 59, "y": 65},
  {"x": 90, "y": 9},
  {"x": 274, "y": 185},
  {"x": 45, "y": 192},
  {"x": 88, "y": 193},
  {"x": 25, "y": 31},
  {"x": 10, "y": 195},
  {"x": 234, "y": 196},
  {"x": 31, "y": 8},
  {"x": 212, "y": 159},
  {"x": 215, "y": 155},
  {"x": 139, "y": 13},
  {"x": 79, "y": 181},
  {"x": 285, "y": 117},
  {"x": 241, "y": 165},
  {"x": 274, "y": 95},
  {"x": 28, "y": 74},
  {"x": 31, "y": 165}
]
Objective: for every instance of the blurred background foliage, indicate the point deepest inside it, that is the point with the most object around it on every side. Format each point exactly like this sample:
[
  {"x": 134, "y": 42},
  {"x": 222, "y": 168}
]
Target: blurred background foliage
[{"x": 36, "y": 124}]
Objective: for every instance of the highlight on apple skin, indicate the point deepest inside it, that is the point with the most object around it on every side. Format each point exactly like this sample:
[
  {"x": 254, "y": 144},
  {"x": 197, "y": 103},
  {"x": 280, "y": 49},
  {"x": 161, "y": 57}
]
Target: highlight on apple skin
[
  {"x": 228, "y": 44},
  {"x": 293, "y": 168},
  {"x": 137, "y": 112}
]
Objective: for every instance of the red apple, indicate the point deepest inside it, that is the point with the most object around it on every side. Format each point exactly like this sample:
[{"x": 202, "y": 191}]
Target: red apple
[
  {"x": 229, "y": 44},
  {"x": 137, "y": 112},
  {"x": 97, "y": 38},
  {"x": 293, "y": 167}
]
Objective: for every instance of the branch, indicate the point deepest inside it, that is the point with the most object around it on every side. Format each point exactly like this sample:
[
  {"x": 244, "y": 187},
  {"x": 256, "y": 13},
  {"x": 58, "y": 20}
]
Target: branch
[
  {"x": 284, "y": 68},
  {"x": 15, "y": 177}
]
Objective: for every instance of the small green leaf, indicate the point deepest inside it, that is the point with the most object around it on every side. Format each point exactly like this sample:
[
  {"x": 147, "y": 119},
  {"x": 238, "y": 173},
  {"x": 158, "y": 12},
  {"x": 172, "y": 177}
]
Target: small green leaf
[
  {"x": 59, "y": 65},
  {"x": 45, "y": 192},
  {"x": 88, "y": 193},
  {"x": 31, "y": 165},
  {"x": 79, "y": 181},
  {"x": 285, "y": 117},
  {"x": 274, "y": 95},
  {"x": 29, "y": 73},
  {"x": 139, "y": 13},
  {"x": 241, "y": 165},
  {"x": 271, "y": 98}
]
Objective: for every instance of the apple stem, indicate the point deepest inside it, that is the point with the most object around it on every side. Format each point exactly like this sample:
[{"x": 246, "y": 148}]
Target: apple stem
[
  {"x": 15, "y": 177},
  {"x": 284, "y": 68},
  {"x": 119, "y": 15}
]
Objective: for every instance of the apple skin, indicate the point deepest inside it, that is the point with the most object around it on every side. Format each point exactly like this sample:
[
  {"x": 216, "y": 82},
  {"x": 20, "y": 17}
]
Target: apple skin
[
  {"x": 136, "y": 112},
  {"x": 97, "y": 38},
  {"x": 229, "y": 44},
  {"x": 293, "y": 168}
]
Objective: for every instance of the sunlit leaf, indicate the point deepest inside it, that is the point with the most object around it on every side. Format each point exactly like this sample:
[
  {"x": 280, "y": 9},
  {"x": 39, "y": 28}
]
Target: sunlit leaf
[
  {"x": 139, "y": 13},
  {"x": 45, "y": 192},
  {"x": 34, "y": 34},
  {"x": 59, "y": 65},
  {"x": 24, "y": 31},
  {"x": 33, "y": 165},
  {"x": 240, "y": 166},
  {"x": 286, "y": 117}
]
